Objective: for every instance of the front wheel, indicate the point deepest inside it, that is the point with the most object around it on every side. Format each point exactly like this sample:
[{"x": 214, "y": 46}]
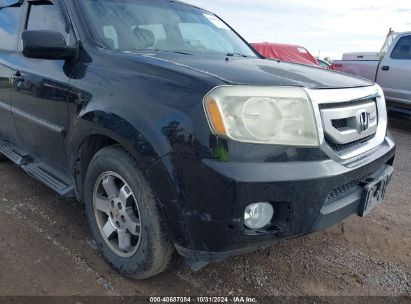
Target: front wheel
[
  {"x": 124, "y": 216},
  {"x": 3, "y": 158}
]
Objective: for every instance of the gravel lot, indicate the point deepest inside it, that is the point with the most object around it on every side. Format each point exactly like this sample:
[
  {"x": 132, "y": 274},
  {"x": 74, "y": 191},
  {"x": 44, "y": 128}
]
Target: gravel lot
[{"x": 46, "y": 249}]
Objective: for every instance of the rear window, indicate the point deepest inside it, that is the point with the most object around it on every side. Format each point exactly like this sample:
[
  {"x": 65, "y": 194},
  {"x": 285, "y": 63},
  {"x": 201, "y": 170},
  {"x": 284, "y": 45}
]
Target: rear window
[{"x": 403, "y": 49}]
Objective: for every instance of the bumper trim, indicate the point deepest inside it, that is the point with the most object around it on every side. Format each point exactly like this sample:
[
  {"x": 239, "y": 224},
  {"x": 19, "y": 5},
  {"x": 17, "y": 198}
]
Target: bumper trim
[
  {"x": 198, "y": 257},
  {"x": 338, "y": 211},
  {"x": 295, "y": 171},
  {"x": 276, "y": 172}
]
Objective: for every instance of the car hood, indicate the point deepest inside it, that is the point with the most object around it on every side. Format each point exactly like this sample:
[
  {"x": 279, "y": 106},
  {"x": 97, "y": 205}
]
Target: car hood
[{"x": 256, "y": 71}]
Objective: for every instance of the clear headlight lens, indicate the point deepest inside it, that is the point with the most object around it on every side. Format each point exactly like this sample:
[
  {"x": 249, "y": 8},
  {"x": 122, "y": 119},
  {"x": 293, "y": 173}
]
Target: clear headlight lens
[{"x": 263, "y": 115}]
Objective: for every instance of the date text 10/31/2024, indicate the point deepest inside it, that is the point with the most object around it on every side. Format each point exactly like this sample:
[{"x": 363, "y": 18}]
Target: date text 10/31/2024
[{"x": 234, "y": 299}]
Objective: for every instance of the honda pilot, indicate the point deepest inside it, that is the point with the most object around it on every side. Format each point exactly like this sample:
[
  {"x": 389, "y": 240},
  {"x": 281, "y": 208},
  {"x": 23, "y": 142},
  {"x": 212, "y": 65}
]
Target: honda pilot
[{"x": 177, "y": 136}]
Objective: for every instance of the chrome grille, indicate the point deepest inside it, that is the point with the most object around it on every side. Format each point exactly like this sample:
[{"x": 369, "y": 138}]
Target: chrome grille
[
  {"x": 339, "y": 124},
  {"x": 350, "y": 124},
  {"x": 346, "y": 103},
  {"x": 342, "y": 112}
]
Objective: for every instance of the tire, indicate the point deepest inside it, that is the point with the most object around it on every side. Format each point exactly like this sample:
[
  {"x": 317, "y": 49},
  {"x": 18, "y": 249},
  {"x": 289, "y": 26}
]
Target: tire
[
  {"x": 3, "y": 158},
  {"x": 148, "y": 250}
]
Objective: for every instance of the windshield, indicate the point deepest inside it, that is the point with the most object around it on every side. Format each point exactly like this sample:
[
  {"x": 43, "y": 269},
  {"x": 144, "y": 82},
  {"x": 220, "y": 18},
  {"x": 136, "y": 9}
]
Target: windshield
[
  {"x": 161, "y": 25},
  {"x": 387, "y": 44}
]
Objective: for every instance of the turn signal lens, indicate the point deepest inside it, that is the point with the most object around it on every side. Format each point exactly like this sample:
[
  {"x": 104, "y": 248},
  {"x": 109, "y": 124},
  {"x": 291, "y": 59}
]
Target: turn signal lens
[{"x": 214, "y": 117}]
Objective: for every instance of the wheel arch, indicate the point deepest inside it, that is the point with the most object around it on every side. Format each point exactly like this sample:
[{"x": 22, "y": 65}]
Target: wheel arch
[
  {"x": 159, "y": 175},
  {"x": 88, "y": 136}
]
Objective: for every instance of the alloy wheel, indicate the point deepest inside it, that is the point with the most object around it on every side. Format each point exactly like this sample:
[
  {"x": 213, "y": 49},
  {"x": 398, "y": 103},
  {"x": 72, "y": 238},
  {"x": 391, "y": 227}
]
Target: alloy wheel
[{"x": 117, "y": 214}]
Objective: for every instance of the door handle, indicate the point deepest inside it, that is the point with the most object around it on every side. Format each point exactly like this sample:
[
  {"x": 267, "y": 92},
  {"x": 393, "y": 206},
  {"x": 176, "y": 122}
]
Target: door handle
[{"x": 385, "y": 68}]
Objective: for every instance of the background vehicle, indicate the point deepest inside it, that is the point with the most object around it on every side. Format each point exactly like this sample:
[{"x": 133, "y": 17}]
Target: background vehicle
[
  {"x": 285, "y": 52},
  {"x": 325, "y": 64},
  {"x": 390, "y": 68},
  {"x": 177, "y": 135}
]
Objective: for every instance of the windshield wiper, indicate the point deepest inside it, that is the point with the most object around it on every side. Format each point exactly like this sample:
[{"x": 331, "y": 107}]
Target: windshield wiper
[
  {"x": 156, "y": 50},
  {"x": 236, "y": 54},
  {"x": 175, "y": 52}
]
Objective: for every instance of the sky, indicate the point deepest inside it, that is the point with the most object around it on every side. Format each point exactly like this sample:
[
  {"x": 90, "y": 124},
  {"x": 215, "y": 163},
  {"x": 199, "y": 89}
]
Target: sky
[{"x": 327, "y": 28}]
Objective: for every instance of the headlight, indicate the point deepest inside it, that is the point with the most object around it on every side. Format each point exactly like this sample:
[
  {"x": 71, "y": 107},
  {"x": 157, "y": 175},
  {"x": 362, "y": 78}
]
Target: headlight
[{"x": 263, "y": 115}]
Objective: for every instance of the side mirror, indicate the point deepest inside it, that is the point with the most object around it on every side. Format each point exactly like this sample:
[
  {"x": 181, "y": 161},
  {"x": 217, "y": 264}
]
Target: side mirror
[{"x": 46, "y": 45}]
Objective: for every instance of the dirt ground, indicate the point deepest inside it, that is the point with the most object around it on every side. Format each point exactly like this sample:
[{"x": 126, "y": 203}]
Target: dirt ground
[{"x": 46, "y": 249}]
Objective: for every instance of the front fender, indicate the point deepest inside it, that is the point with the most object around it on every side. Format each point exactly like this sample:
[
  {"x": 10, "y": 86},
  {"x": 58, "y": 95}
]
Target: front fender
[
  {"x": 147, "y": 135},
  {"x": 149, "y": 147}
]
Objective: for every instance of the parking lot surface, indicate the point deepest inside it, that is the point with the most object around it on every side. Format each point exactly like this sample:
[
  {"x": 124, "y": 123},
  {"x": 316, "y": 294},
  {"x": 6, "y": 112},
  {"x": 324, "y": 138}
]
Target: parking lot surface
[{"x": 46, "y": 249}]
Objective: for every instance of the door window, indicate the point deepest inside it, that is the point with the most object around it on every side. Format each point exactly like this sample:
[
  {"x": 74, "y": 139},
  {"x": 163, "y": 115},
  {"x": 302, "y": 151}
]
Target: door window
[
  {"x": 403, "y": 49},
  {"x": 45, "y": 16},
  {"x": 9, "y": 25}
]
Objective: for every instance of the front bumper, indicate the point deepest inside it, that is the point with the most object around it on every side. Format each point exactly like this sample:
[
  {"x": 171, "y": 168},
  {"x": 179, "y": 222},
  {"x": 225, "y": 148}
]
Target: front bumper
[{"x": 306, "y": 196}]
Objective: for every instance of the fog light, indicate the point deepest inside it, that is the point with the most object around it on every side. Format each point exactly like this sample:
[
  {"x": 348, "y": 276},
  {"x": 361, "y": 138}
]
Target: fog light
[{"x": 259, "y": 215}]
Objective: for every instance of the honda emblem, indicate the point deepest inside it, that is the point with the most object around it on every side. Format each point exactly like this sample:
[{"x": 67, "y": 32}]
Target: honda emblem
[{"x": 364, "y": 122}]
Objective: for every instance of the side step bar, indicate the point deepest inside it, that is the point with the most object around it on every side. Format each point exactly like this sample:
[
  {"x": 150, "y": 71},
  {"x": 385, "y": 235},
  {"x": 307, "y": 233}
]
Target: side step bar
[
  {"x": 18, "y": 157},
  {"x": 54, "y": 179},
  {"x": 51, "y": 178}
]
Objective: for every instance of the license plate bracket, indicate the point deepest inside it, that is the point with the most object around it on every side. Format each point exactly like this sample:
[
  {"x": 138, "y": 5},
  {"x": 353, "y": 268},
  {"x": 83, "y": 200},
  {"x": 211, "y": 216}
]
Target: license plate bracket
[{"x": 374, "y": 192}]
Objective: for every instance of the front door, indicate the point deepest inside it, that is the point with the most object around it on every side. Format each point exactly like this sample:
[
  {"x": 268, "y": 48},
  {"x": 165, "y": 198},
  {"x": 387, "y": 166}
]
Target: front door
[
  {"x": 10, "y": 17},
  {"x": 394, "y": 73},
  {"x": 41, "y": 95}
]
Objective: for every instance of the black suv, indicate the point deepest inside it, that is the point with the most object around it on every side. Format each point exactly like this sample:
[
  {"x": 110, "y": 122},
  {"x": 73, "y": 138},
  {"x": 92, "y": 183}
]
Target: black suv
[{"x": 177, "y": 135}]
